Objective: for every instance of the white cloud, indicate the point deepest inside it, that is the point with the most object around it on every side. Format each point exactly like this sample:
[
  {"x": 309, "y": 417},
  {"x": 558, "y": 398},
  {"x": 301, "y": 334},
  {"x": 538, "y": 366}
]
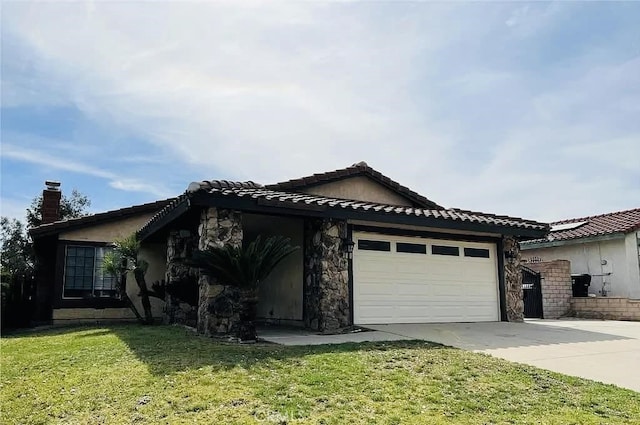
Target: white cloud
[
  {"x": 60, "y": 163},
  {"x": 271, "y": 92}
]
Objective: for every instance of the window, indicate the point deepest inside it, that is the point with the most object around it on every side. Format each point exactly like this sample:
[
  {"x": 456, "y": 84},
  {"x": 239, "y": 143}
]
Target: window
[
  {"x": 445, "y": 250},
  {"x": 366, "y": 245},
  {"x": 476, "y": 252},
  {"x": 84, "y": 276},
  {"x": 413, "y": 248}
]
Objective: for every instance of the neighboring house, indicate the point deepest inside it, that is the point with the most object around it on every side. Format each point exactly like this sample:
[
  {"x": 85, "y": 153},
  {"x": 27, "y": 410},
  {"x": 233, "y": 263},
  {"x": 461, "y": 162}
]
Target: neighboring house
[
  {"x": 372, "y": 251},
  {"x": 603, "y": 246}
]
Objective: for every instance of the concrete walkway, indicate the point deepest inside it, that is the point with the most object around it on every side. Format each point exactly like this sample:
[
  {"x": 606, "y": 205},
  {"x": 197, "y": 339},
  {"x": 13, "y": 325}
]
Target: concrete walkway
[{"x": 605, "y": 351}]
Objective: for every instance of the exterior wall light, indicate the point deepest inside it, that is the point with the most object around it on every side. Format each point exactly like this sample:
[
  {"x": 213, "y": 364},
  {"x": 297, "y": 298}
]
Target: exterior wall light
[
  {"x": 510, "y": 254},
  {"x": 347, "y": 248}
]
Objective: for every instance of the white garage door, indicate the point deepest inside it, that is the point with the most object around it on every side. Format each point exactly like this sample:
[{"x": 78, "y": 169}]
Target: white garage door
[{"x": 416, "y": 280}]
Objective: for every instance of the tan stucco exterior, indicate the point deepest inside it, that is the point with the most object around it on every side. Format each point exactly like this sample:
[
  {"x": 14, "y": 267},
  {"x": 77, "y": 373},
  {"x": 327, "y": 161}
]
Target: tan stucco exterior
[
  {"x": 280, "y": 296},
  {"x": 107, "y": 232},
  {"x": 360, "y": 188}
]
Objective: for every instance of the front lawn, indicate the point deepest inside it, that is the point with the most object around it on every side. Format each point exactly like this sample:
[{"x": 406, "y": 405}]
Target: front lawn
[{"x": 166, "y": 375}]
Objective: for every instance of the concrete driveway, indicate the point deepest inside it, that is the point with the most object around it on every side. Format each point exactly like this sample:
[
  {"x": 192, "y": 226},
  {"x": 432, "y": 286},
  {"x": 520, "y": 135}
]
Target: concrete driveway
[{"x": 606, "y": 351}]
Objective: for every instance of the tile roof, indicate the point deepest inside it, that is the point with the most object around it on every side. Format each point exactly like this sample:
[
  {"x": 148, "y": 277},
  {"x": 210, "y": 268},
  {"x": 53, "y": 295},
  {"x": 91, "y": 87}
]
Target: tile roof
[
  {"x": 284, "y": 195},
  {"x": 194, "y": 187},
  {"x": 597, "y": 225},
  {"x": 285, "y": 199},
  {"x": 361, "y": 168},
  {"x": 60, "y": 225}
]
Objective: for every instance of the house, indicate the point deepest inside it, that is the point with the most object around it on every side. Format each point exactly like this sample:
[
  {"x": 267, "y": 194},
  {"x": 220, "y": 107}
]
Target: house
[
  {"x": 602, "y": 246},
  {"x": 372, "y": 251}
]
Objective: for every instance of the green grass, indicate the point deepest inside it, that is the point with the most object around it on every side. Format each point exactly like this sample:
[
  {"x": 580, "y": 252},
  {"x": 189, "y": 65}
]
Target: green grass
[{"x": 166, "y": 375}]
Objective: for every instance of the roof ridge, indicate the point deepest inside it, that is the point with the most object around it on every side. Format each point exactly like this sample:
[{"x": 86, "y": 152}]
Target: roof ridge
[
  {"x": 221, "y": 184},
  {"x": 573, "y": 220},
  {"x": 355, "y": 169}
]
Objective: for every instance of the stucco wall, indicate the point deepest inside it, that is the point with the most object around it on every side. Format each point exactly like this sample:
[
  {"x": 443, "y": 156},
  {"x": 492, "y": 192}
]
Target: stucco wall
[
  {"x": 107, "y": 232},
  {"x": 632, "y": 251},
  {"x": 280, "y": 296},
  {"x": 360, "y": 188},
  {"x": 588, "y": 257}
]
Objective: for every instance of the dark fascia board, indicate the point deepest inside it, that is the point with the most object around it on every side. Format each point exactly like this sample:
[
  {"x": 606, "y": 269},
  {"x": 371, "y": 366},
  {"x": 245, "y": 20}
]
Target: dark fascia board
[
  {"x": 574, "y": 241},
  {"x": 354, "y": 171},
  {"x": 179, "y": 209},
  {"x": 92, "y": 220},
  {"x": 291, "y": 208}
]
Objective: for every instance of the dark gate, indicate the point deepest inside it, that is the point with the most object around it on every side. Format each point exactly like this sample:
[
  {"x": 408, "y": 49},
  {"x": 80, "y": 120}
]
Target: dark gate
[{"x": 532, "y": 288}]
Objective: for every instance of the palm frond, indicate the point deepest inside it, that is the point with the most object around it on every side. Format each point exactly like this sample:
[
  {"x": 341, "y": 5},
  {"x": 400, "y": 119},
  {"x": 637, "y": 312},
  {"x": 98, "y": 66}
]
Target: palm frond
[{"x": 244, "y": 267}]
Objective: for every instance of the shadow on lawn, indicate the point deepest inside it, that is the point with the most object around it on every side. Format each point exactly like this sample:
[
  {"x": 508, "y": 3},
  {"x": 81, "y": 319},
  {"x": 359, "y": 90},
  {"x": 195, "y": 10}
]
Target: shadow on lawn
[{"x": 169, "y": 349}]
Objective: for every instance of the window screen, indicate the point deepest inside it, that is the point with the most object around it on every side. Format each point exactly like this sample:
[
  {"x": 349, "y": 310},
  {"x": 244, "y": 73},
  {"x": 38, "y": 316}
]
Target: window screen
[{"x": 445, "y": 250}]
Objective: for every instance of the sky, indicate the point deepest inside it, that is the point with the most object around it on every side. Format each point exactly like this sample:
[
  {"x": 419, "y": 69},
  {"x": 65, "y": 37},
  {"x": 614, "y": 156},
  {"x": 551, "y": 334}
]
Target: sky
[{"x": 524, "y": 109}]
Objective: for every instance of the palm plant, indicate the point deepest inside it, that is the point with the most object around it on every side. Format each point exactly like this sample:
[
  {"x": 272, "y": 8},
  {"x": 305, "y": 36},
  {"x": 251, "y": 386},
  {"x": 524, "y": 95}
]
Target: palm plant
[
  {"x": 244, "y": 267},
  {"x": 123, "y": 258}
]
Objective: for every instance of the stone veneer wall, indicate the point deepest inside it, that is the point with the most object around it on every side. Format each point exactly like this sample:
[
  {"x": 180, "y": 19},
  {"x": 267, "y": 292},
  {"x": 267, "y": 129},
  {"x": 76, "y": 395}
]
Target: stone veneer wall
[
  {"x": 513, "y": 279},
  {"x": 556, "y": 287},
  {"x": 219, "y": 305},
  {"x": 326, "y": 276},
  {"x": 180, "y": 246},
  {"x": 611, "y": 308}
]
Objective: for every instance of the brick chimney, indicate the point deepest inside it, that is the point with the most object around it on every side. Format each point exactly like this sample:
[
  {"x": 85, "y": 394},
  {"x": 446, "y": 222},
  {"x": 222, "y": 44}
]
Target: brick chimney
[{"x": 51, "y": 202}]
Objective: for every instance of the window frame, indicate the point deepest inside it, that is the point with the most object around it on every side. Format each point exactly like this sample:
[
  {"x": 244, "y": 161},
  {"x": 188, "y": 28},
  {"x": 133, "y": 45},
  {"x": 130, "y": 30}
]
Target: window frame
[
  {"x": 411, "y": 248},
  {"x": 94, "y": 271},
  {"x": 471, "y": 252},
  {"x": 444, "y": 252},
  {"x": 57, "y": 289},
  {"x": 373, "y": 242}
]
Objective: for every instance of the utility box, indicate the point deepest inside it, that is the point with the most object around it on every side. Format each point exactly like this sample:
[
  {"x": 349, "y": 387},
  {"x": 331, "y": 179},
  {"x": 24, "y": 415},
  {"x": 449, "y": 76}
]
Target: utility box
[{"x": 580, "y": 284}]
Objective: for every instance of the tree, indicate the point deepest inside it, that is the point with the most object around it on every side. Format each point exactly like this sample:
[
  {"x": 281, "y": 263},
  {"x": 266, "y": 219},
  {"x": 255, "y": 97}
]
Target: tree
[
  {"x": 17, "y": 255},
  {"x": 17, "y": 271},
  {"x": 70, "y": 207},
  {"x": 244, "y": 267},
  {"x": 16, "y": 250},
  {"x": 124, "y": 258}
]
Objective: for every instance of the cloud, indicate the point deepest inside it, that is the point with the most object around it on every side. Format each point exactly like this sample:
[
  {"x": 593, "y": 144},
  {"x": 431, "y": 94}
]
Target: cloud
[
  {"x": 445, "y": 98},
  {"x": 59, "y": 163}
]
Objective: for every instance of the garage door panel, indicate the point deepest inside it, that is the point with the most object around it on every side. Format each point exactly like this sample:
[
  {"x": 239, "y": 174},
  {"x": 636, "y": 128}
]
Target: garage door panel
[{"x": 393, "y": 287}]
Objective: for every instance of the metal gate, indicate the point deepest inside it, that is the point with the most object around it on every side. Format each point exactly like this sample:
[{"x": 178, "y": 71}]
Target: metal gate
[{"x": 532, "y": 288}]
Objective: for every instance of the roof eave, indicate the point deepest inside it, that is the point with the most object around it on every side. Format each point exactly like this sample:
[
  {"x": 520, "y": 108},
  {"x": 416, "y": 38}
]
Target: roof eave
[
  {"x": 354, "y": 171},
  {"x": 57, "y": 227},
  {"x": 156, "y": 225},
  {"x": 573, "y": 241},
  {"x": 302, "y": 209}
]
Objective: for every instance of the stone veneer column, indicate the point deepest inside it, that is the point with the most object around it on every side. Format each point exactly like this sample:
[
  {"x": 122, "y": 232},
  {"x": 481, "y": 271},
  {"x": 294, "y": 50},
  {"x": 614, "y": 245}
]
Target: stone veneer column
[
  {"x": 180, "y": 246},
  {"x": 218, "y": 305},
  {"x": 326, "y": 276},
  {"x": 513, "y": 279}
]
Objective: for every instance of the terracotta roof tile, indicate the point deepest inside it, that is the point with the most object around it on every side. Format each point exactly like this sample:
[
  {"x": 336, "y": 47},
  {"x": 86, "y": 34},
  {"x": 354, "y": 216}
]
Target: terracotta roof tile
[
  {"x": 597, "y": 225},
  {"x": 450, "y": 214}
]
